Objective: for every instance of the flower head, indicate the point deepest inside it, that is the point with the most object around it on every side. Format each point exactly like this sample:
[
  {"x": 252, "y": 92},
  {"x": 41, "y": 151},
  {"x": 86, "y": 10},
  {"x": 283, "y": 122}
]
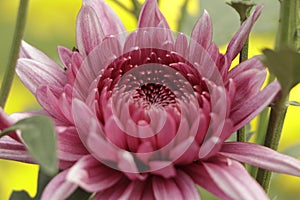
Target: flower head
[{"x": 146, "y": 114}]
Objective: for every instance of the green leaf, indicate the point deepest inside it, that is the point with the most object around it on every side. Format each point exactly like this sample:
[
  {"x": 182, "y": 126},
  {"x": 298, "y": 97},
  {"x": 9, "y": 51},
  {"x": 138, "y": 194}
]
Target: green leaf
[
  {"x": 39, "y": 137},
  {"x": 18, "y": 195},
  {"x": 285, "y": 65}
]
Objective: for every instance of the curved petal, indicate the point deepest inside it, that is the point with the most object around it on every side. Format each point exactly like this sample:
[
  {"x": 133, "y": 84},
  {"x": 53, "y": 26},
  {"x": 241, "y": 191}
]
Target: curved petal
[
  {"x": 166, "y": 189},
  {"x": 5, "y": 121},
  {"x": 89, "y": 32},
  {"x": 93, "y": 176},
  {"x": 57, "y": 102},
  {"x": 248, "y": 77},
  {"x": 187, "y": 186},
  {"x": 234, "y": 180},
  {"x": 114, "y": 192},
  {"x": 202, "y": 31},
  {"x": 72, "y": 61},
  {"x": 34, "y": 74},
  {"x": 201, "y": 177},
  {"x": 46, "y": 96},
  {"x": 109, "y": 21},
  {"x": 59, "y": 187},
  {"x": 261, "y": 156},
  {"x": 254, "y": 105},
  {"x": 162, "y": 168},
  {"x": 65, "y": 55},
  {"x": 151, "y": 16},
  {"x": 238, "y": 40},
  {"x": 134, "y": 190},
  {"x": 91, "y": 134},
  {"x": 70, "y": 147},
  {"x": 10, "y": 149},
  {"x": 30, "y": 52}
]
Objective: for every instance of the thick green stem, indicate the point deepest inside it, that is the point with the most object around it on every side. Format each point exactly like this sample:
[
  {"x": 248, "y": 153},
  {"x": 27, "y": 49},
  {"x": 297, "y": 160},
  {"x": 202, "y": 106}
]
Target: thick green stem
[
  {"x": 286, "y": 37},
  {"x": 273, "y": 135},
  {"x": 287, "y": 33},
  {"x": 15, "y": 48}
]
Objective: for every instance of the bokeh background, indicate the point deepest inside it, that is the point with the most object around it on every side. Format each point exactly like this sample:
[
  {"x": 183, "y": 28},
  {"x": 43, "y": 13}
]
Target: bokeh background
[{"x": 52, "y": 22}]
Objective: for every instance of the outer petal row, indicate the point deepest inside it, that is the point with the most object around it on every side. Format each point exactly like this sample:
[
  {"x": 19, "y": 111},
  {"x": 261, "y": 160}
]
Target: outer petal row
[{"x": 261, "y": 156}]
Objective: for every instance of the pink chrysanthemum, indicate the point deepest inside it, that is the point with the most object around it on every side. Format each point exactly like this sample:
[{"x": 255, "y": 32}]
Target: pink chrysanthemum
[{"x": 146, "y": 115}]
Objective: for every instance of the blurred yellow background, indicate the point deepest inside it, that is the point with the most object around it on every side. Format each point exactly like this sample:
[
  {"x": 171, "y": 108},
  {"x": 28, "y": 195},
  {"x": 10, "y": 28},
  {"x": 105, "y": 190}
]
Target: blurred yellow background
[{"x": 52, "y": 22}]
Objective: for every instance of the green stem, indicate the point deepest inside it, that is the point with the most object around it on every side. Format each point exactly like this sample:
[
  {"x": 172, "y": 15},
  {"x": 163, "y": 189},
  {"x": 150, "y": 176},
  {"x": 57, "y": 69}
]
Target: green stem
[
  {"x": 14, "y": 54},
  {"x": 286, "y": 37},
  {"x": 288, "y": 24},
  {"x": 241, "y": 133},
  {"x": 277, "y": 115}
]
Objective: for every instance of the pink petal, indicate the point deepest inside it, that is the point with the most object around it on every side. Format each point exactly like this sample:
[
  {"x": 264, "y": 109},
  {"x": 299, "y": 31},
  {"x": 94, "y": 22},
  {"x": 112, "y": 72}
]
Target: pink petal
[
  {"x": 65, "y": 55},
  {"x": 46, "y": 96},
  {"x": 212, "y": 145},
  {"x": 59, "y": 187},
  {"x": 129, "y": 167},
  {"x": 181, "y": 45},
  {"x": 202, "y": 32},
  {"x": 5, "y": 121},
  {"x": 261, "y": 156},
  {"x": 166, "y": 189},
  {"x": 134, "y": 190},
  {"x": 34, "y": 74},
  {"x": 237, "y": 42},
  {"x": 234, "y": 180},
  {"x": 72, "y": 61},
  {"x": 248, "y": 77},
  {"x": 10, "y": 149},
  {"x": 57, "y": 102},
  {"x": 93, "y": 176},
  {"x": 162, "y": 168},
  {"x": 70, "y": 147},
  {"x": 29, "y": 52},
  {"x": 109, "y": 21},
  {"x": 127, "y": 190},
  {"x": 91, "y": 134},
  {"x": 114, "y": 133},
  {"x": 89, "y": 32},
  {"x": 114, "y": 192},
  {"x": 254, "y": 105},
  {"x": 187, "y": 186},
  {"x": 151, "y": 17},
  {"x": 200, "y": 176}
]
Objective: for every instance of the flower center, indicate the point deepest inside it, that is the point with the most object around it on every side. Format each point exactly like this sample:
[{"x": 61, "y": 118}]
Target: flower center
[
  {"x": 152, "y": 94},
  {"x": 146, "y": 83}
]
